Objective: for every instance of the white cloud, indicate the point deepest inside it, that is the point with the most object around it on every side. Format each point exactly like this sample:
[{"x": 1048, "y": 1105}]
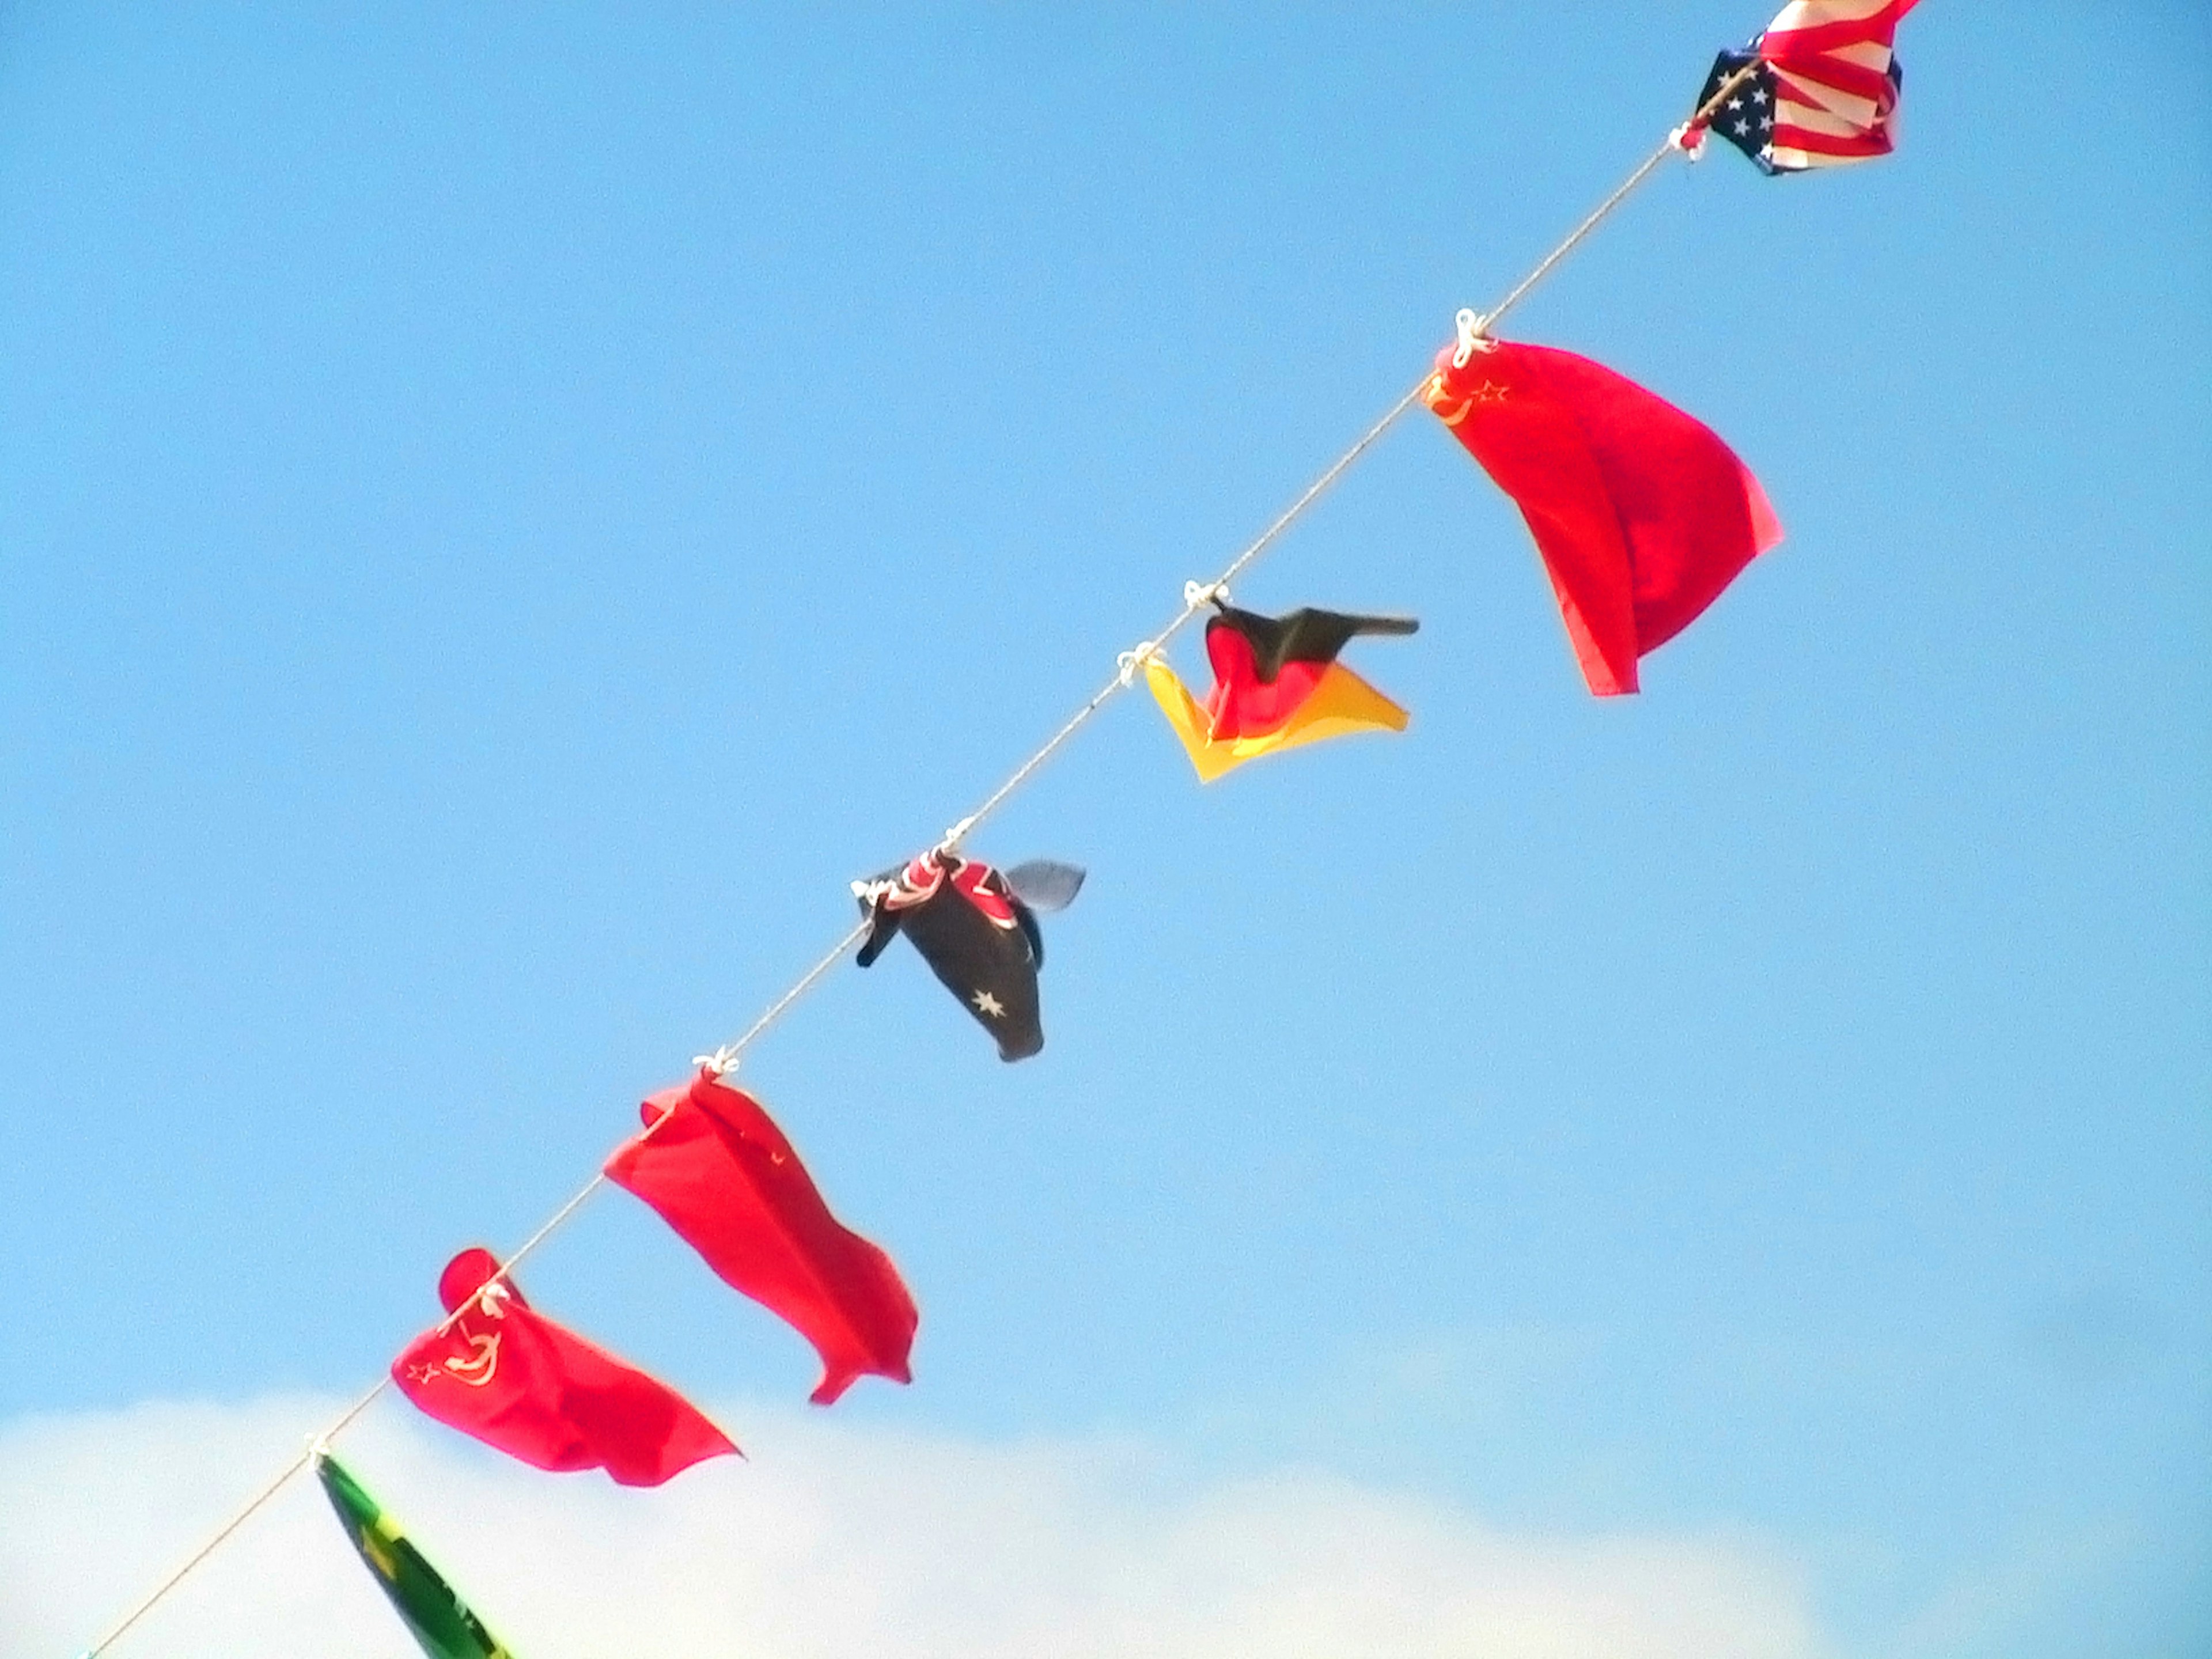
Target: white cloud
[{"x": 834, "y": 1541}]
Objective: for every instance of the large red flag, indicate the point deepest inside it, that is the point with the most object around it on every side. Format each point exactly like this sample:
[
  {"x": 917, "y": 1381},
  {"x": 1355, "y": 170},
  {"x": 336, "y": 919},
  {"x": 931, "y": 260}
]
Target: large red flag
[
  {"x": 1642, "y": 516},
  {"x": 721, "y": 1174},
  {"x": 509, "y": 1376}
]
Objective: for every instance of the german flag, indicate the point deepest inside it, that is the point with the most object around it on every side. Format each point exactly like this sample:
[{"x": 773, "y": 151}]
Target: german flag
[{"x": 1277, "y": 684}]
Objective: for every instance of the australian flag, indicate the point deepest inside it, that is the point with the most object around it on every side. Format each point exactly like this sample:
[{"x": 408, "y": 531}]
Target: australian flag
[{"x": 978, "y": 930}]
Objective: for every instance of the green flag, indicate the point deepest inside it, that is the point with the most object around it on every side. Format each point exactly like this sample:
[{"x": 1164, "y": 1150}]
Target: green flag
[{"x": 445, "y": 1627}]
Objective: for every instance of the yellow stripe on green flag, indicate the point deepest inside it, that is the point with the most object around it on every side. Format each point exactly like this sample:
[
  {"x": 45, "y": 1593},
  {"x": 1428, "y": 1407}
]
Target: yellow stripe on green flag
[{"x": 438, "y": 1618}]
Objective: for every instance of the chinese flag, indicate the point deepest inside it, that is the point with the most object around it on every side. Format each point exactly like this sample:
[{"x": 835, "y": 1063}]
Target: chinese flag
[
  {"x": 719, "y": 1172},
  {"x": 1642, "y": 514},
  {"x": 504, "y": 1374}
]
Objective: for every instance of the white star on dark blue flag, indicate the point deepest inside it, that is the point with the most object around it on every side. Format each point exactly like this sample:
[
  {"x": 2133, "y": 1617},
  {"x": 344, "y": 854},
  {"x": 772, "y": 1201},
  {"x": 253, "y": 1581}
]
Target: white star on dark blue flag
[{"x": 1749, "y": 133}]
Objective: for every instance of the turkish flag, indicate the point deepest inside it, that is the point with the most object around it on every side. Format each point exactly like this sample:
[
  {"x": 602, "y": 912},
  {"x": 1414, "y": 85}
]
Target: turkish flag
[
  {"x": 1642, "y": 514},
  {"x": 504, "y": 1374},
  {"x": 718, "y": 1171}
]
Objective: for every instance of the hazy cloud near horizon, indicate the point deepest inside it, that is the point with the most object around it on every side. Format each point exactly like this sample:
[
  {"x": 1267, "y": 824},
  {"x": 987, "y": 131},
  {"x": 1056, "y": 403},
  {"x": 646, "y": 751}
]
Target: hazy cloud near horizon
[{"x": 835, "y": 1539}]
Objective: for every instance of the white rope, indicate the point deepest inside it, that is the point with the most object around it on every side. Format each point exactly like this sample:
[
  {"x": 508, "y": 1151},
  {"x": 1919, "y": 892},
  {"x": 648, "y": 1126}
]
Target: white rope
[
  {"x": 723, "y": 1060},
  {"x": 726, "y": 1057},
  {"x": 1605, "y": 209},
  {"x": 222, "y": 1536},
  {"x": 1471, "y": 330}
]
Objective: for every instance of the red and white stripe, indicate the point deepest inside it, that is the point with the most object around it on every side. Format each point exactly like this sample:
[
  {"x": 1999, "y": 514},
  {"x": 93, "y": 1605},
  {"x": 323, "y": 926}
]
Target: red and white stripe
[{"x": 1834, "y": 100}]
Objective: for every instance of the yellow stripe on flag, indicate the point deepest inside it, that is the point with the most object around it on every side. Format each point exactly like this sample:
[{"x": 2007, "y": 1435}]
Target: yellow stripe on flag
[{"x": 1341, "y": 704}]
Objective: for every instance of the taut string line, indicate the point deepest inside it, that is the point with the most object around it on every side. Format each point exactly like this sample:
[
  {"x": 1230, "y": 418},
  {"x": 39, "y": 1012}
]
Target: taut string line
[{"x": 1196, "y": 599}]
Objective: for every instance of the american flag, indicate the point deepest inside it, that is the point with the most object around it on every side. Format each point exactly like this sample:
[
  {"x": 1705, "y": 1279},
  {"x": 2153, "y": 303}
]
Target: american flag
[{"x": 1823, "y": 89}]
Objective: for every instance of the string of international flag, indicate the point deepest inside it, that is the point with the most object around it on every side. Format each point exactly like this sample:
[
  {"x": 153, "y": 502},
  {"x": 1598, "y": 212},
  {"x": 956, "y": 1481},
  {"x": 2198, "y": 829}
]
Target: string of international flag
[{"x": 1641, "y": 516}]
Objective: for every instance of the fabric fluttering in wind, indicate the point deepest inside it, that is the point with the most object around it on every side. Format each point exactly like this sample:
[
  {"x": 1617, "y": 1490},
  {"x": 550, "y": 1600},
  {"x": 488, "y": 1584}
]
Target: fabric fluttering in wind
[
  {"x": 977, "y": 927},
  {"x": 1642, "y": 514},
  {"x": 1824, "y": 86},
  {"x": 1277, "y": 684},
  {"x": 716, "y": 1169},
  {"x": 435, "y": 1614},
  {"x": 504, "y": 1374}
]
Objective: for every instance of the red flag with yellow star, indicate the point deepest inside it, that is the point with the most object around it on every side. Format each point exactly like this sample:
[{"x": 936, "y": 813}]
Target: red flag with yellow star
[
  {"x": 502, "y": 1373},
  {"x": 1642, "y": 516}
]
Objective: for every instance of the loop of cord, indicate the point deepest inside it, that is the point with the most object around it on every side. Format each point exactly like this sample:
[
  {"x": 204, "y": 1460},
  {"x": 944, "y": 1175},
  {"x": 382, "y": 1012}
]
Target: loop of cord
[
  {"x": 1129, "y": 663},
  {"x": 1470, "y": 327},
  {"x": 1197, "y": 595},
  {"x": 721, "y": 1062}
]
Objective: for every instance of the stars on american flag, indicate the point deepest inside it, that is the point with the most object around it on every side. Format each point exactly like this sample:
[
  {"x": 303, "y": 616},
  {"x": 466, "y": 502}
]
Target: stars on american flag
[{"x": 1746, "y": 119}]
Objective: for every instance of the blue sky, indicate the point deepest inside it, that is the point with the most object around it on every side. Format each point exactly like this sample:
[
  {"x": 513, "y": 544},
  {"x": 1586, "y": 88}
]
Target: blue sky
[{"x": 502, "y": 516}]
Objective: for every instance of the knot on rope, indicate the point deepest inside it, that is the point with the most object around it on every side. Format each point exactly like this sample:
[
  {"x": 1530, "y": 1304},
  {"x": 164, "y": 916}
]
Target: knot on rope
[
  {"x": 1127, "y": 663},
  {"x": 956, "y": 835},
  {"x": 724, "y": 1060},
  {"x": 1468, "y": 326},
  {"x": 1197, "y": 594}
]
